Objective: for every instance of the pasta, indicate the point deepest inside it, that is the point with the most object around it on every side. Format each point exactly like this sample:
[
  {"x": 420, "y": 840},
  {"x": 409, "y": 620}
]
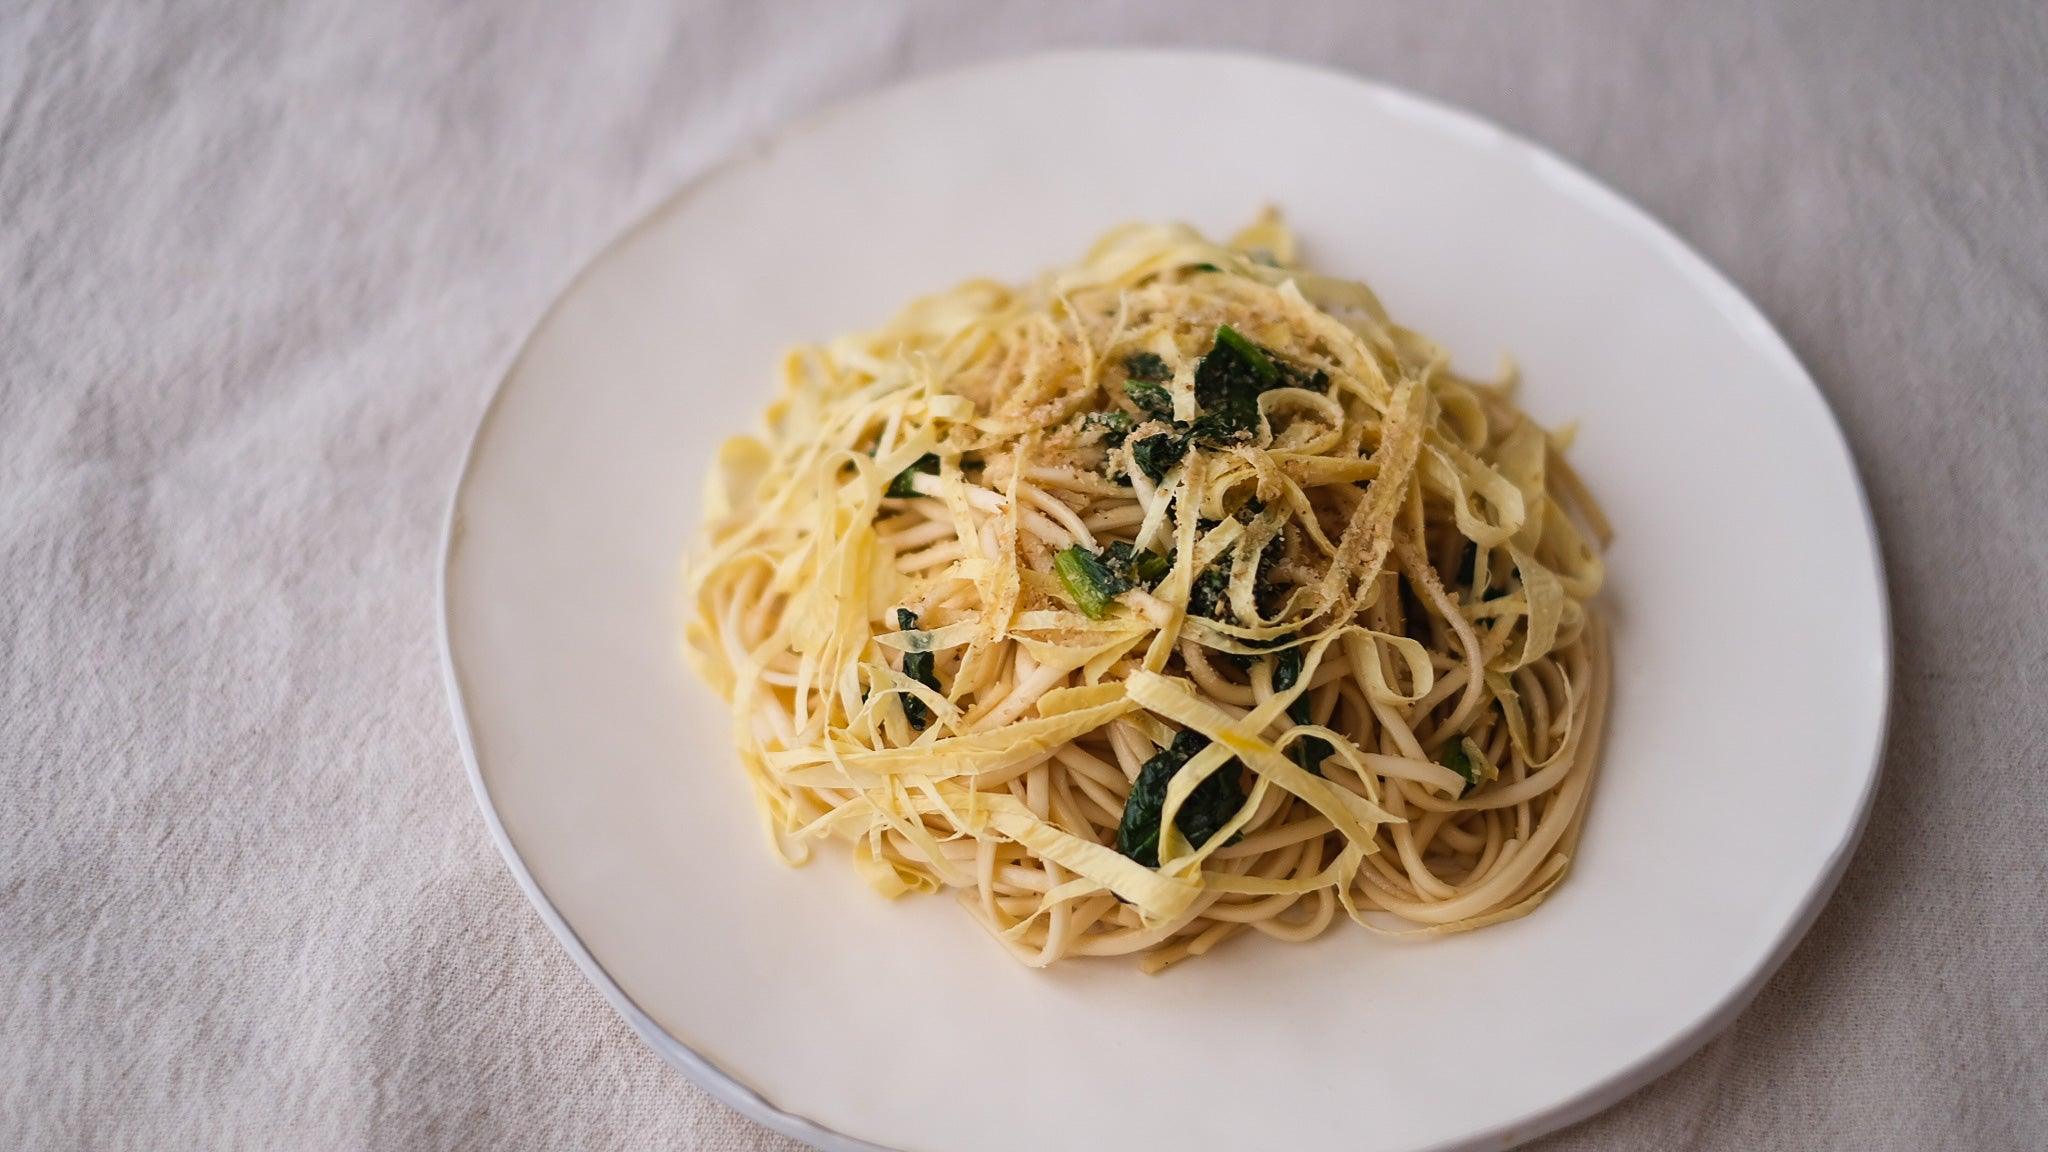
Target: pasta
[{"x": 1176, "y": 594}]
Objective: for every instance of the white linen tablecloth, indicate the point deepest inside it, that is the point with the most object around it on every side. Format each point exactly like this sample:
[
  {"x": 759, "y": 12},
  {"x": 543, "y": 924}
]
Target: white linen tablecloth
[{"x": 260, "y": 266}]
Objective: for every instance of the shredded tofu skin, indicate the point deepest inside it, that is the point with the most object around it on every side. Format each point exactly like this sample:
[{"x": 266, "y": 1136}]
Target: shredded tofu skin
[{"x": 1175, "y": 594}]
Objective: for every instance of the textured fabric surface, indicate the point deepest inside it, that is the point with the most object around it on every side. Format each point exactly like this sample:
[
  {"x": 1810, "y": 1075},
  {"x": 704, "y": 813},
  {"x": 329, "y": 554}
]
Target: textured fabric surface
[{"x": 260, "y": 267}]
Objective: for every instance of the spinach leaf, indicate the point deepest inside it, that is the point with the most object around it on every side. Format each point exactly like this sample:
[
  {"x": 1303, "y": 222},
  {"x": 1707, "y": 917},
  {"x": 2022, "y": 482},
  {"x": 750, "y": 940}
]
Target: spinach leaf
[
  {"x": 1146, "y": 366},
  {"x": 1136, "y": 567},
  {"x": 1207, "y": 809},
  {"x": 1228, "y": 382},
  {"x": 1094, "y": 579},
  {"x": 1210, "y": 595},
  {"x": 1116, "y": 425},
  {"x": 1309, "y": 751},
  {"x": 1147, "y": 375},
  {"x": 900, "y": 485},
  {"x": 1457, "y": 760},
  {"x": 1227, "y": 385},
  {"x": 1251, "y": 354},
  {"x": 1152, "y": 399},
  {"x": 921, "y": 667},
  {"x": 1157, "y": 454},
  {"x": 1230, "y": 378},
  {"x": 1295, "y": 376},
  {"x": 1287, "y": 670},
  {"x": 1088, "y": 580}
]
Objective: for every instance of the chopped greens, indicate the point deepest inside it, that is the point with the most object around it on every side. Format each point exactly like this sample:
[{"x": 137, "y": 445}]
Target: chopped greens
[
  {"x": 1094, "y": 580},
  {"x": 1251, "y": 354},
  {"x": 1152, "y": 399},
  {"x": 1210, "y": 595},
  {"x": 1228, "y": 382},
  {"x": 1135, "y": 566},
  {"x": 1157, "y": 454},
  {"x": 1295, "y": 376},
  {"x": 1207, "y": 809},
  {"x": 1230, "y": 378},
  {"x": 1287, "y": 670},
  {"x": 1116, "y": 426},
  {"x": 1458, "y": 760},
  {"x": 1309, "y": 751},
  {"x": 1147, "y": 373},
  {"x": 921, "y": 667},
  {"x": 1088, "y": 580},
  {"x": 1147, "y": 366},
  {"x": 901, "y": 485}
]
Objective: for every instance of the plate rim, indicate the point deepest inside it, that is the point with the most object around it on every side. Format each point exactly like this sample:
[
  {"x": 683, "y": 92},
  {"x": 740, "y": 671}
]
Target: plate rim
[{"x": 1571, "y": 1109}]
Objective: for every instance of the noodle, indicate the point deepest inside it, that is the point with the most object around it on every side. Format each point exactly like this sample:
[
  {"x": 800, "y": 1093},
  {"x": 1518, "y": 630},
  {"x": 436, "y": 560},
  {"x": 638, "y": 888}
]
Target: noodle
[{"x": 1178, "y": 592}]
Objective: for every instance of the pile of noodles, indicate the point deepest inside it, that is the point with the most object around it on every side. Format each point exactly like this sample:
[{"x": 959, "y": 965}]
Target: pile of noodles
[{"x": 1405, "y": 542}]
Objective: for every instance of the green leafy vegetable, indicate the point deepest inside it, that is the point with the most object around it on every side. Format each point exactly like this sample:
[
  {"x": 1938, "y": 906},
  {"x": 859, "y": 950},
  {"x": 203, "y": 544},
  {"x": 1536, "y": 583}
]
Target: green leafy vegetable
[
  {"x": 1253, "y": 355},
  {"x": 1295, "y": 376},
  {"x": 921, "y": 667},
  {"x": 1096, "y": 579},
  {"x": 1228, "y": 426},
  {"x": 1147, "y": 366},
  {"x": 1147, "y": 372},
  {"x": 1116, "y": 426},
  {"x": 1210, "y": 595},
  {"x": 900, "y": 486},
  {"x": 1458, "y": 760},
  {"x": 1207, "y": 809},
  {"x": 1228, "y": 382},
  {"x": 1309, "y": 751},
  {"x": 1230, "y": 378},
  {"x": 1287, "y": 670},
  {"x": 1152, "y": 399},
  {"x": 1267, "y": 588},
  {"x": 1157, "y": 454},
  {"x": 1088, "y": 580},
  {"x": 1135, "y": 567}
]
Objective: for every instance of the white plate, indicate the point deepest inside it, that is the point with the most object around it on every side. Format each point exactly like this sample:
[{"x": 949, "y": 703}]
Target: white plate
[{"x": 1750, "y": 634}]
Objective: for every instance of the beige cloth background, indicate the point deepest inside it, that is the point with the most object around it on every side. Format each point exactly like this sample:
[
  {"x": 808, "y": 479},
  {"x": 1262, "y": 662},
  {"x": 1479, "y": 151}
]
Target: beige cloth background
[{"x": 263, "y": 264}]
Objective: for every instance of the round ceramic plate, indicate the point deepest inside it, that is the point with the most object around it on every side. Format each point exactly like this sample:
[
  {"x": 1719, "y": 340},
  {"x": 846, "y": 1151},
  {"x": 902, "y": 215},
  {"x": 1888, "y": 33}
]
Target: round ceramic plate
[{"x": 1751, "y": 663}]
